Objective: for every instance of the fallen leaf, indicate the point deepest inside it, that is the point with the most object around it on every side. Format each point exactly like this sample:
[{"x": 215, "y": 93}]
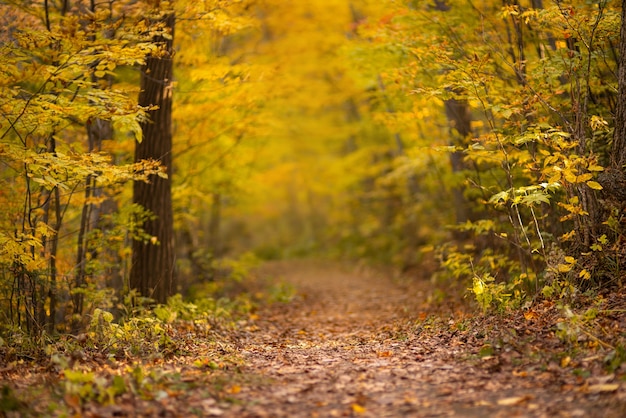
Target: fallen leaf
[
  {"x": 72, "y": 400},
  {"x": 598, "y": 380},
  {"x": 565, "y": 361},
  {"x": 358, "y": 409},
  {"x": 213, "y": 412},
  {"x": 530, "y": 315},
  {"x": 160, "y": 395},
  {"x": 606, "y": 387},
  {"x": 515, "y": 400}
]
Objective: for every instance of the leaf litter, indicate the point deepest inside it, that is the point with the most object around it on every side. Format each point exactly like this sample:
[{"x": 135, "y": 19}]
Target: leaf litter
[{"x": 354, "y": 342}]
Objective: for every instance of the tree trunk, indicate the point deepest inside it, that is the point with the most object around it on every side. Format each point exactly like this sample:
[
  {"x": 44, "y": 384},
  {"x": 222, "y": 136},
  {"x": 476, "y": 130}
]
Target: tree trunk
[
  {"x": 459, "y": 121},
  {"x": 152, "y": 271},
  {"x": 619, "y": 139},
  {"x": 215, "y": 223},
  {"x": 613, "y": 179}
]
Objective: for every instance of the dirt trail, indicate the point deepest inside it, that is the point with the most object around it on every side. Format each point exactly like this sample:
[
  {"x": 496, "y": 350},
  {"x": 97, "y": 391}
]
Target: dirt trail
[{"x": 350, "y": 345}]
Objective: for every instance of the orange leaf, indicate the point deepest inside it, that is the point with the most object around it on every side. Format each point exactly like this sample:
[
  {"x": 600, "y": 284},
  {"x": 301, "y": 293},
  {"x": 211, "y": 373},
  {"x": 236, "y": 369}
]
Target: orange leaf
[
  {"x": 358, "y": 409},
  {"x": 530, "y": 315},
  {"x": 72, "y": 400}
]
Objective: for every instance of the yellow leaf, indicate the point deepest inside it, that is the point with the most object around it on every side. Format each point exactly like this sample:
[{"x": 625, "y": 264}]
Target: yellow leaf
[
  {"x": 358, "y": 409},
  {"x": 234, "y": 389},
  {"x": 561, "y": 44},
  {"x": 584, "y": 274},
  {"x": 565, "y": 361},
  {"x": 594, "y": 185},
  {"x": 564, "y": 268},
  {"x": 606, "y": 387},
  {"x": 570, "y": 259},
  {"x": 569, "y": 176},
  {"x": 479, "y": 287},
  {"x": 555, "y": 177},
  {"x": 568, "y": 236}
]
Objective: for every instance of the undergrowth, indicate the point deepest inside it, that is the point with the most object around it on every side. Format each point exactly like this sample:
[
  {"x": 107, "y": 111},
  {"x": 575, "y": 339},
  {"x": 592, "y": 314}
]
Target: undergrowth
[{"x": 127, "y": 350}]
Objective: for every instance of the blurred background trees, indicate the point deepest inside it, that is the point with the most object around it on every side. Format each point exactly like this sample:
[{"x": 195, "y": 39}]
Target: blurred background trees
[{"x": 473, "y": 140}]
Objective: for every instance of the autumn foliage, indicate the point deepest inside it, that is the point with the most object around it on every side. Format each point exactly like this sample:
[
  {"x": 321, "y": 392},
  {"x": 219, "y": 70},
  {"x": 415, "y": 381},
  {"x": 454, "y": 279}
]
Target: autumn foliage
[{"x": 471, "y": 138}]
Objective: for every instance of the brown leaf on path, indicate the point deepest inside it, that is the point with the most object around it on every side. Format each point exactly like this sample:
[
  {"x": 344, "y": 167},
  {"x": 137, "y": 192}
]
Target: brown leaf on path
[
  {"x": 72, "y": 401},
  {"x": 515, "y": 400}
]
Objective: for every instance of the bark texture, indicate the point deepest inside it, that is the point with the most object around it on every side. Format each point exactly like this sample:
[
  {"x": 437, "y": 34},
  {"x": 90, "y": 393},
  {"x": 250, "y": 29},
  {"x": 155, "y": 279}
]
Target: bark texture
[
  {"x": 152, "y": 272},
  {"x": 613, "y": 179},
  {"x": 619, "y": 141}
]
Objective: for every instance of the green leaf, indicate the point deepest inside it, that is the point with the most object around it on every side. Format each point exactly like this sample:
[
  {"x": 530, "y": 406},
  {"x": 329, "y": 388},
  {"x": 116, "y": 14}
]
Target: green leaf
[
  {"x": 118, "y": 386},
  {"x": 500, "y": 197},
  {"x": 537, "y": 197},
  {"x": 78, "y": 376}
]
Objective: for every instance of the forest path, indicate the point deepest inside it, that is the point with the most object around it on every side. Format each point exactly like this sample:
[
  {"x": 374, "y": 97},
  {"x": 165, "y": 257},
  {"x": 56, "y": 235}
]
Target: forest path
[{"x": 350, "y": 344}]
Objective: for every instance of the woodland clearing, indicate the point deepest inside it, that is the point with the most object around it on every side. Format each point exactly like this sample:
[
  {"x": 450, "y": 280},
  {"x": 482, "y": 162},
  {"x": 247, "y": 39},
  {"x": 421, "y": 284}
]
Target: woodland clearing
[{"x": 342, "y": 341}]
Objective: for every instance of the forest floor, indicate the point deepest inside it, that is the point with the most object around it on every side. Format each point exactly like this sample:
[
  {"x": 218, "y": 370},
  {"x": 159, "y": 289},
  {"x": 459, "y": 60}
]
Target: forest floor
[{"x": 359, "y": 343}]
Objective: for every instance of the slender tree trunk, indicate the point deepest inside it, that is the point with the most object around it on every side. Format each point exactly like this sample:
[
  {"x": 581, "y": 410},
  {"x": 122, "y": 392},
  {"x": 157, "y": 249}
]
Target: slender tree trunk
[
  {"x": 412, "y": 191},
  {"x": 215, "y": 222},
  {"x": 619, "y": 139},
  {"x": 98, "y": 130},
  {"x": 459, "y": 120},
  {"x": 613, "y": 179},
  {"x": 152, "y": 270}
]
